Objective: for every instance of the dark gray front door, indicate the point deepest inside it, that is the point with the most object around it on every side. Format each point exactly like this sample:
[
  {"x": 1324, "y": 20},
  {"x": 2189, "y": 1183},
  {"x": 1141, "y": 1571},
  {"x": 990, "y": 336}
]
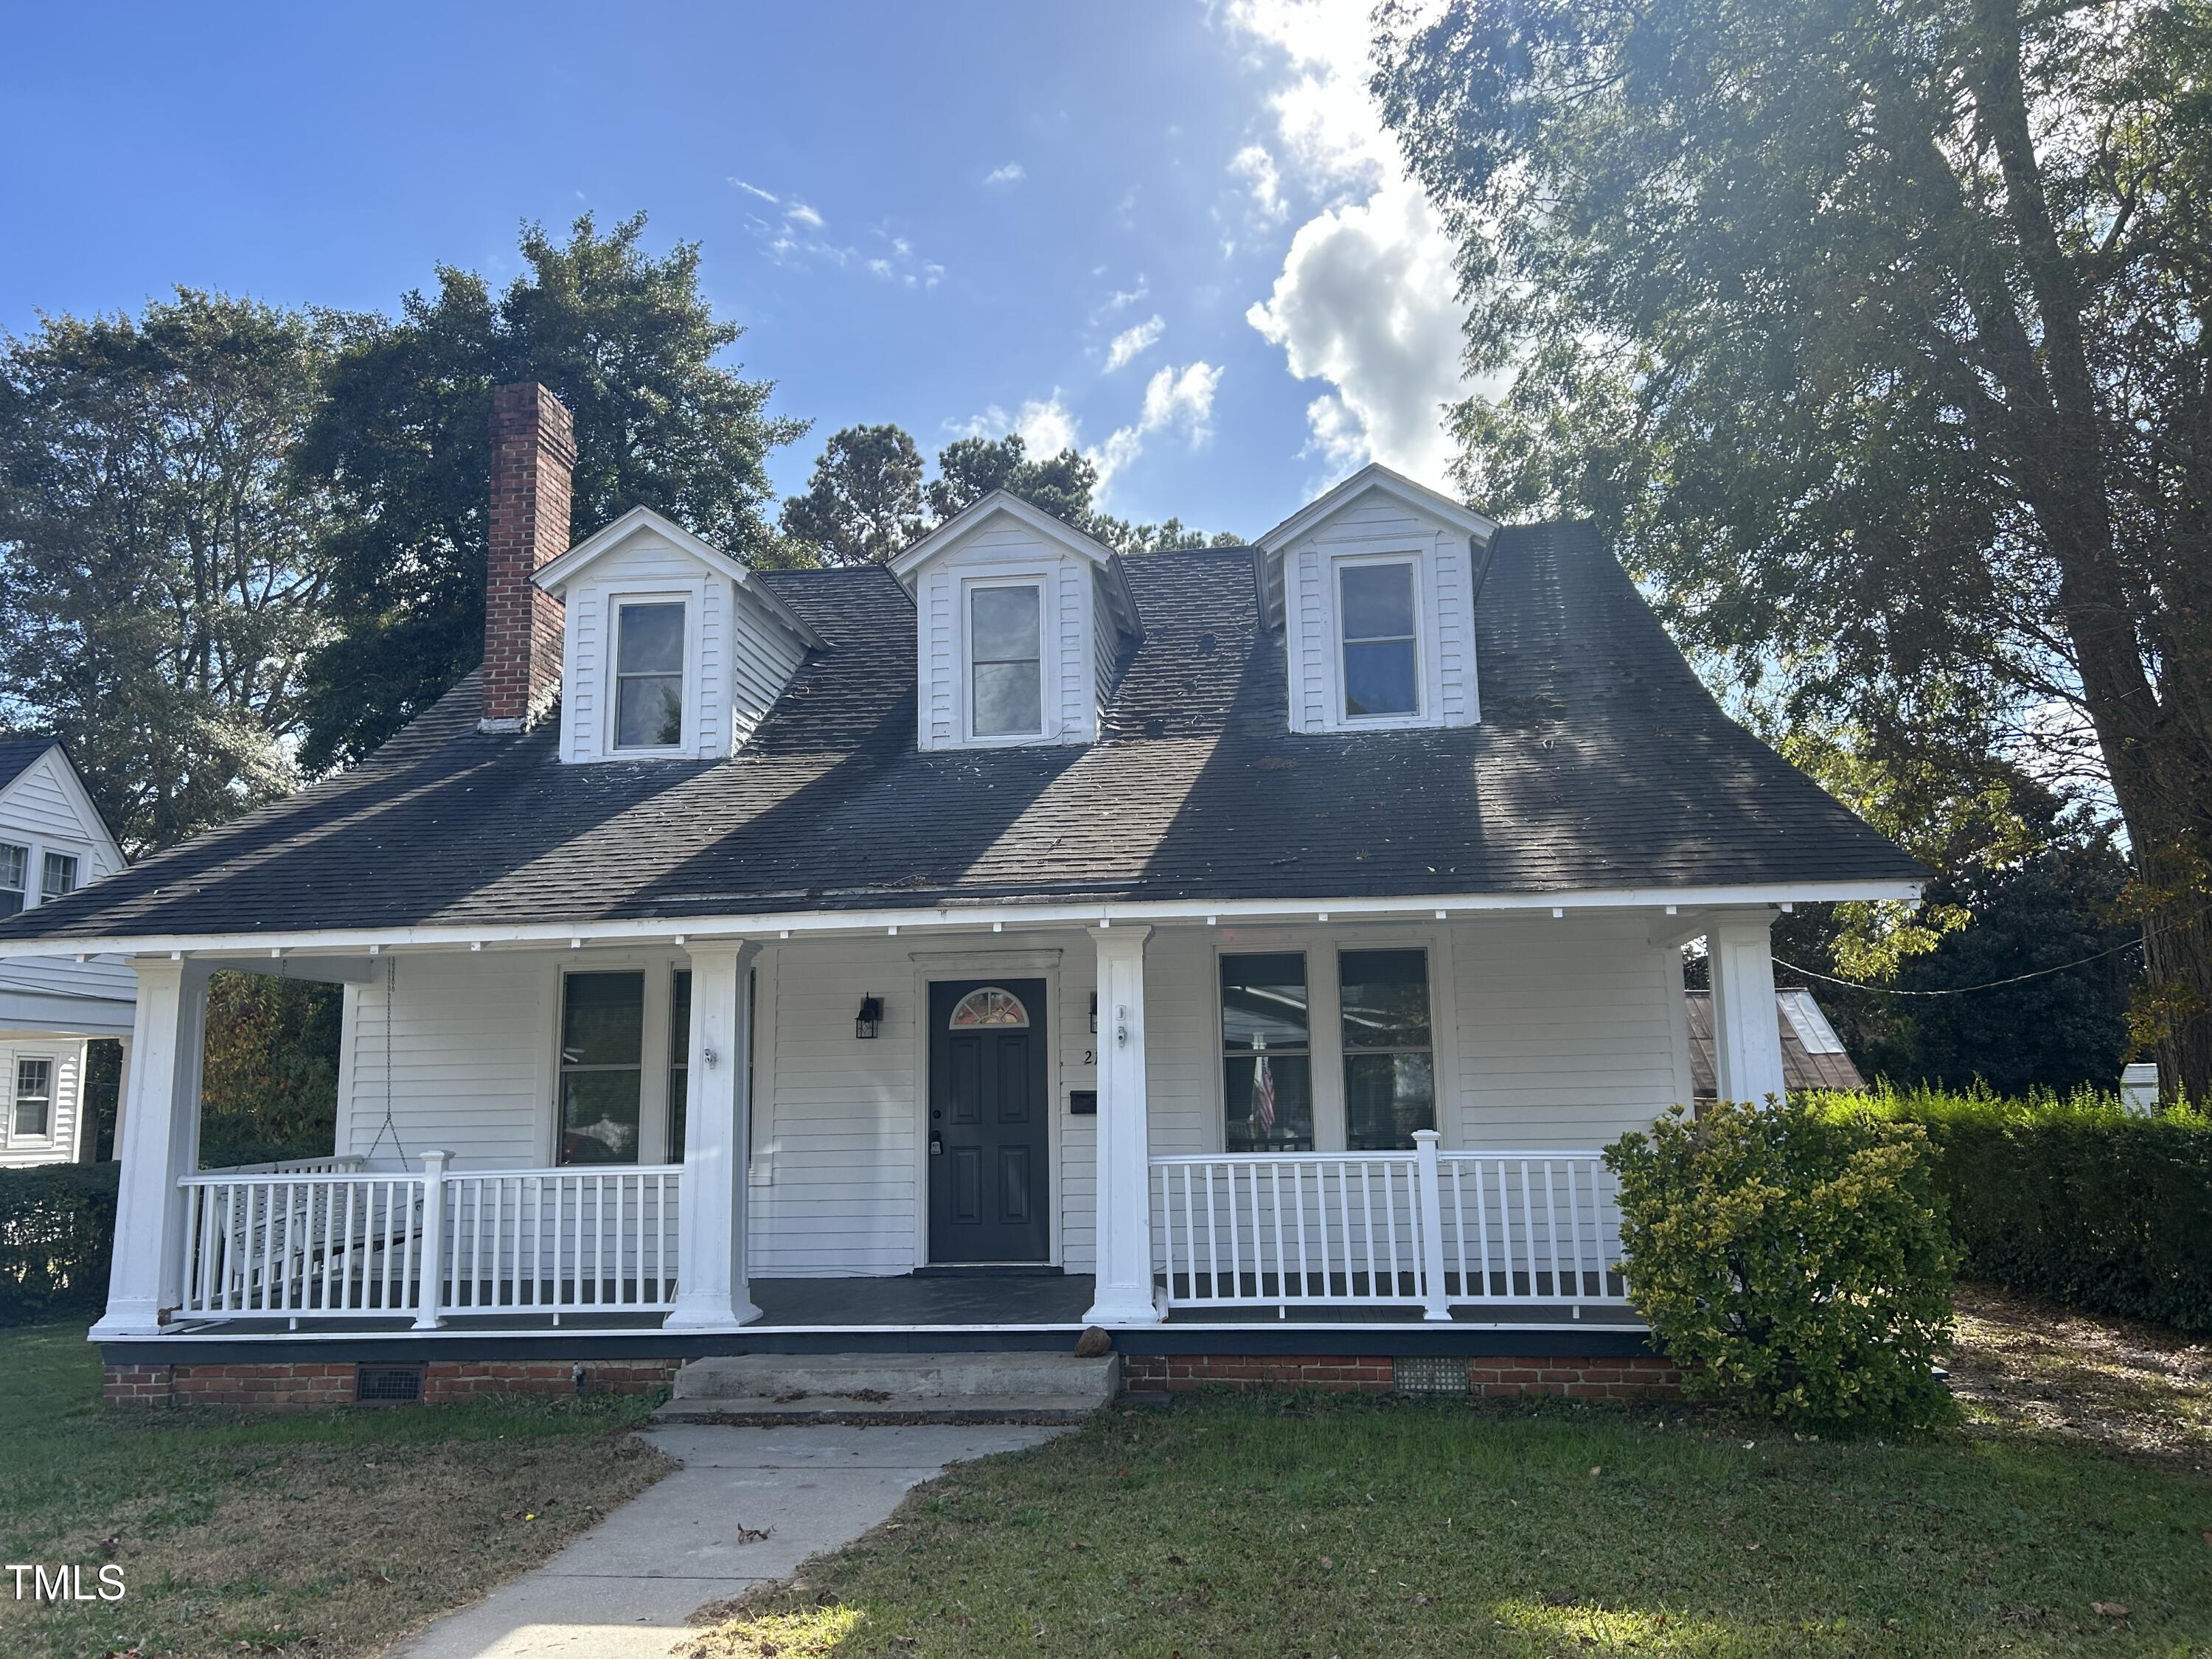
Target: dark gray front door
[{"x": 989, "y": 1193}]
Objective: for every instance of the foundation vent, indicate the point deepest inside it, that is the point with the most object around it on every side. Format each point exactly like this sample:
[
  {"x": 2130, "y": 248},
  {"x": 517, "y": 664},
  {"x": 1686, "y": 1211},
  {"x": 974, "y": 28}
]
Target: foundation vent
[
  {"x": 1429, "y": 1373},
  {"x": 387, "y": 1385}
]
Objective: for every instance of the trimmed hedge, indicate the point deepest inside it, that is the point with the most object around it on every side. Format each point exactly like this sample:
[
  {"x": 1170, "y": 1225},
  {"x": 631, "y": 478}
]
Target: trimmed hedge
[
  {"x": 56, "y": 1235},
  {"x": 2075, "y": 1199}
]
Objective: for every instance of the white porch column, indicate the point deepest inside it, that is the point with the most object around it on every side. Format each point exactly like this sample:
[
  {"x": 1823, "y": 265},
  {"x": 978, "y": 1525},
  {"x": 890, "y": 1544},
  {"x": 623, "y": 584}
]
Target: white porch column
[
  {"x": 711, "y": 1294},
  {"x": 1747, "y": 1028},
  {"x": 1124, "y": 1290},
  {"x": 158, "y": 1142}
]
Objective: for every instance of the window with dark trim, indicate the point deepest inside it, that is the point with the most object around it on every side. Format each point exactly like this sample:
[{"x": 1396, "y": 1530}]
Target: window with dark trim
[
  {"x": 1389, "y": 1056},
  {"x": 1267, "y": 1054},
  {"x": 602, "y": 1066}
]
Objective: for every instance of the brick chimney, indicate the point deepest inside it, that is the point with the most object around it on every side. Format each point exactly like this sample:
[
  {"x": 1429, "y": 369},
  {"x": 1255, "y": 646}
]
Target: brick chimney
[{"x": 533, "y": 451}]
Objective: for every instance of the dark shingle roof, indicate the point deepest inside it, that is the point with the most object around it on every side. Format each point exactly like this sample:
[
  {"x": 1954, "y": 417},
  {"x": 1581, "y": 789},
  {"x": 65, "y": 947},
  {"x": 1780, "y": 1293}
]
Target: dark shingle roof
[
  {"x": 1600, "y": 762},
  {"x": 16, "y": 755},
  {"x": 1800, "y": 1068}
]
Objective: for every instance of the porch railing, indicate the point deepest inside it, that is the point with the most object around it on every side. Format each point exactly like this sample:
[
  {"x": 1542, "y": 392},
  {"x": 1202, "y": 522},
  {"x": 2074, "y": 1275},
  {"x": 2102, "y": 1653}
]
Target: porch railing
[
  {"x": 1427, "y": 1229},
  {"x": 332, "y": 1243}
]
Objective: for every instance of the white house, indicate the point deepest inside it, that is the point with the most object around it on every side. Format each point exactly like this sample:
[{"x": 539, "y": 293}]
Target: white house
[
  {"x": 52, "y": 842},
  {"x": 1248, "y": 950}
]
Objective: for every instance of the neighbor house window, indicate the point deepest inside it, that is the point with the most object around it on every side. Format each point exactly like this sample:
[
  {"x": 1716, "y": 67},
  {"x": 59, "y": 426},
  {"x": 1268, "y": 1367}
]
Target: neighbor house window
[
  {"x": 59, "y": 876},
  {"x": 33, "y": 1116},
  {"x": 1266, "y": 1063},
  {"x": 1005, "y": 660},
  {"x": 679, "y": 1061},
  {"x": 649, "y": 675},
  {"x": 602, "y": 1066},
  {"x": 1382, "y": 657},
  {"x": 14, "y": 866},
  {"x": 1389, "y": 1060}
]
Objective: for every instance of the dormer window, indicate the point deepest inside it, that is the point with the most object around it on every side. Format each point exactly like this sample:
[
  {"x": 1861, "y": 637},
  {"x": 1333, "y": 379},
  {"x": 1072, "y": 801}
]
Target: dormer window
[
  {"x": 649, "y": 675},
  {"x": 1379, "y": 619},
  {"x": 1005, "y": 660}
]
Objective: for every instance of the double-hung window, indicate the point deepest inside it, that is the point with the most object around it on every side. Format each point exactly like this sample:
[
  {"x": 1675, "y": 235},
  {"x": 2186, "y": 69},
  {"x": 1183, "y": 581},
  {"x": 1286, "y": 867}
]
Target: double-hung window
[
  {"x": 60, "y": 876},
  {"x": 649, "y": 675},
  {"x": 32, "y": 1117},
  {"x": 602, "y": 1066},
  {"x": 1389, "y": 1056},
  {"x": 15, "y": 873},
  {"x": 1266, "y": 1054},
  {"x": 1379, "y": 621},
  {"x": 1005, "y": 660}
]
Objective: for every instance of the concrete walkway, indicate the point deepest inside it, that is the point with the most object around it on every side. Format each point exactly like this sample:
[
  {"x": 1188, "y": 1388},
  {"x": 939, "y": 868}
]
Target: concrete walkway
[{"x": 624, "y": 1589}]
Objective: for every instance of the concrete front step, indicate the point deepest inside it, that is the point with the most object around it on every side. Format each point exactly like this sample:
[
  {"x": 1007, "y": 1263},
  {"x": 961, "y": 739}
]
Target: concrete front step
[{"x": 925, "y": 1387}]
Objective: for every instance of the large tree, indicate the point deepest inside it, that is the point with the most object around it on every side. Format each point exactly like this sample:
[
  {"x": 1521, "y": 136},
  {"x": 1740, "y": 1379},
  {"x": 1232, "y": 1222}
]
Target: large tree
[
  {"x": 1876, "y": 333},
  {"x": 971, "y": 468},
  {"x": 161, "y": 567},
  {"x": 632, "y": 346},
  {"x": 863, "y": 502}
]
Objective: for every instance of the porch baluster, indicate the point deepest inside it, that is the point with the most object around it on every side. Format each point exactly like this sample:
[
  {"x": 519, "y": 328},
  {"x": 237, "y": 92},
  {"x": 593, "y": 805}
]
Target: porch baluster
[
  {"x": 1430, "y": 1226},
  {"x": 427, "y": 1298}
]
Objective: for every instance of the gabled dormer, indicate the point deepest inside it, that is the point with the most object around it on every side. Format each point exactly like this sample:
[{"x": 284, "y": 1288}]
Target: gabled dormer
[
  {"x": 1373, "y": 586},
  {"x": 671, "y": 648},
  {"x": 1021, "y": 623}
]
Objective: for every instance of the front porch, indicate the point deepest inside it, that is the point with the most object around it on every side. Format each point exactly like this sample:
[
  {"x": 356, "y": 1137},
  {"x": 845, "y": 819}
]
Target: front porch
[{"x": 732, "y": 1158}]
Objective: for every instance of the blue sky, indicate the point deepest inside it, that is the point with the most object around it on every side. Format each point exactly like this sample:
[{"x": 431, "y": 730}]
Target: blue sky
[{"x": 944, "y": 216}]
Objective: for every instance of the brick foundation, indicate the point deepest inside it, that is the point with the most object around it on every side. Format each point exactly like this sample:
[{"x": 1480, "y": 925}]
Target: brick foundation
[
  {"x": 291, "y": 1387},
  {"x": 1486, "y": 1378}
]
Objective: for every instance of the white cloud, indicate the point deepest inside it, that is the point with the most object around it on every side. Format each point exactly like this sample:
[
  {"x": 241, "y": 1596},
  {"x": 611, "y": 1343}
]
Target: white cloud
[
  {"x": 1368, "y": 302},
  {"x": 799, "y": 214},
  {"x": 1131, "y": 343},
  {"x": 1177, "y": 401},
  {"x": 1258, "y": 168},
  {"x": 1367, "y": 299},
  {"x": 880, "y": 267},
  {"x": 754, "y": 189},
  {"x": 1013, "y": 173}
]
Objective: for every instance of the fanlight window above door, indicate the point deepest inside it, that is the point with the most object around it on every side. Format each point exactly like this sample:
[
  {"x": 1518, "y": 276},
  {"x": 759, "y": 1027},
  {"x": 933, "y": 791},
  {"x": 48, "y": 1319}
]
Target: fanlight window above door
[{"x": 988, "y": 1005}]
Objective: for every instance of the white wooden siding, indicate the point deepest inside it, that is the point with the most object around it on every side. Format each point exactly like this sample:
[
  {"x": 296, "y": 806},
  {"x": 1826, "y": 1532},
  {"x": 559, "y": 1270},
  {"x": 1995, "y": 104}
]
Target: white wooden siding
[
  {"x": 1445, "y": 577},
  {"x": 58, "y": 1146},
  {"x": 472, "y": 1059},
  {"x": 1105, "y": 638},
  {"x": 765, "y": 654},
  {"x": 44, "y": 809},
  {"x": 1002, "y": 546},
  {"x": 1567, "y": 1032}
]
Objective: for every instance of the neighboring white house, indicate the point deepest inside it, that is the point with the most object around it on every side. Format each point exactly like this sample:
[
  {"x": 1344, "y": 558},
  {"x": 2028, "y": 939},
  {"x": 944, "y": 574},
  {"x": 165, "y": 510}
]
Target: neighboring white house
[
  {"x": 51, "y": 842},
  {"x": 1247, "y": 950}
]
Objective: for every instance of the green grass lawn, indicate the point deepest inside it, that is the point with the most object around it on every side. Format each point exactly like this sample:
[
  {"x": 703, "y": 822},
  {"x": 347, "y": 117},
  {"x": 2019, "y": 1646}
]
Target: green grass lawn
[
  {"x": 323, "y": 1533},
  {"x": 1321, "y": 1527}
]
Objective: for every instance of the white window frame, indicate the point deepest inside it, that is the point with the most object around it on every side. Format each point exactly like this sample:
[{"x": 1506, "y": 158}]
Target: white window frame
[
  {"x": 1325, "y": 1021},
  {"x": 1416, "y": 568},
  {"x": 652, "y": 1125},
  {"x": 691, "y": 597},
  {"x": 32, "y": 868},
  {"x": 47, "y": 856},
  {"x": 1048, "y": 700},
  {"x": 15, "y": 1058}
]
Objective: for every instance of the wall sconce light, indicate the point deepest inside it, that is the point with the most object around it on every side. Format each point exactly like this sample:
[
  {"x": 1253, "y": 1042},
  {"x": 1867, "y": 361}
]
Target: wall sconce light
[
  {"x": 870, "y": 1019},
  {"x": 1094, "y": 1013}
]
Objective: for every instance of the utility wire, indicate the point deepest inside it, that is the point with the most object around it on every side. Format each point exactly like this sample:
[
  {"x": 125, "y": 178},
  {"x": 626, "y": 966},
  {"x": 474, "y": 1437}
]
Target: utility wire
[{"x": 1994, "y": 984}]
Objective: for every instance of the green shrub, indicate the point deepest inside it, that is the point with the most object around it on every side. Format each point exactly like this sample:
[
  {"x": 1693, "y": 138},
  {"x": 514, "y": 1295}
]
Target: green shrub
[
  {"x": 56, "y": 1235},
  {"x": 2076, "y": 1198},
  {"x": 1795, "y": 1263}
]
